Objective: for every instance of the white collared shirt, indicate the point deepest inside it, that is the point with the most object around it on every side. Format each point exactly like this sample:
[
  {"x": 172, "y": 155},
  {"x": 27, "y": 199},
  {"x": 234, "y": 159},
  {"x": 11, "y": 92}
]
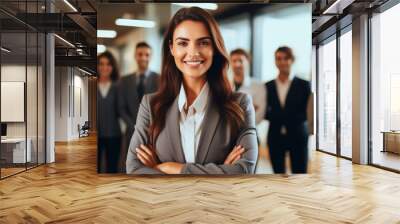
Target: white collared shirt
[
  {"x": 104, "y": 88},
  {"x": 190, "y": 123},
  {"x": 283, "y": 88}
]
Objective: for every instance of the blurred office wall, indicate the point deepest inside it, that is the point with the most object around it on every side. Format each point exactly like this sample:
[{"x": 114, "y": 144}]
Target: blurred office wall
[{"x": 283, "y": 24}]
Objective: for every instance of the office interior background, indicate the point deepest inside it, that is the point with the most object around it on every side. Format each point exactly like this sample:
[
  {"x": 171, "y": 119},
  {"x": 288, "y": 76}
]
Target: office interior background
[
  {"x": 48, "y": 89},
  {"x": 47, "y": 81}
]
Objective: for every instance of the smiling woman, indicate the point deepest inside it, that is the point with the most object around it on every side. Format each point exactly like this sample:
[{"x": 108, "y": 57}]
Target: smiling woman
[
  {"x": 192, "y": 49},
  {"x": 194, "y": 124}
]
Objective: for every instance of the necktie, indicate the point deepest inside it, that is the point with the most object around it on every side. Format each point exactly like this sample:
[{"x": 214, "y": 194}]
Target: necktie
[
  {"x": 140, "y": 87},
  {"x": 237, "y": 86}
]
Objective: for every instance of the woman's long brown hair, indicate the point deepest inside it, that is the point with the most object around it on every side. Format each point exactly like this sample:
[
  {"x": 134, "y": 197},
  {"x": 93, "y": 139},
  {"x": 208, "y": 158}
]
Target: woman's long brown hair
[{"x": 171, "y": 77}]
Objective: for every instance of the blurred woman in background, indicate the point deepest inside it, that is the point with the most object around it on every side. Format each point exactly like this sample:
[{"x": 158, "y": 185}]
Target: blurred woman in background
[
  {"x": 108, "y": 128},
  {"x": 194, "y": 124}
]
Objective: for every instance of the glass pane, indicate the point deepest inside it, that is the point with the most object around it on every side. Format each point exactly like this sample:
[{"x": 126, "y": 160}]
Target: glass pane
[
  {"x": 41, "y": 98},
  {"x": 32, "y": 85},
  {"x": 385, "y": 86},
  {"x": 327, "y": 97},
  {"x": 22, "y": 87},
  {"x": 346, "y": 94},
  {"x": 13, "y": 86},
  {"x": 31, "y": 98}
]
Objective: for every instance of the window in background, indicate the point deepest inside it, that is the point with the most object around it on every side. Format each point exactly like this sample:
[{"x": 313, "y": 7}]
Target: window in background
[
  {"x": 236, "y": 32},
  {"x": 280, "y": 25},
  {"x": 385, "y": 89},
  {"x": 327, "y": 96},
  {"x": 346, "y": 93},
  {"x": 394, "y": 101},
  {"x": 312, "y": 141}
]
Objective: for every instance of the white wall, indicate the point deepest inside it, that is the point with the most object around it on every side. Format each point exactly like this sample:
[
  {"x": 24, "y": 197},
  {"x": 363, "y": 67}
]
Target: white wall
[
  {"x": 62, "y": 81},
  {"x": 12, "y": 73},
  {"x": 71, "y": 93},
  {"x": 79, "y": 117},
  {"x": 33, "y": 126}
]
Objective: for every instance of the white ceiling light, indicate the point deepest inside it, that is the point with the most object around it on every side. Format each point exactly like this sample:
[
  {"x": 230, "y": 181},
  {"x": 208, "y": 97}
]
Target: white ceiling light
[
  {"x": 338, "y": 6},
  {"x": 5, "y": 50},
  {"x": 70, "y": 5},
  {"x": 79, "y": 51},
  {"x": 84, "y": 71},
  {"x": 106, "y": 33},
  {"x": 65, "y": 41},
  {"x": 100, "y": 48},
  {"x": 135, "y": 23},
  {"x": 210, "y": 6}
]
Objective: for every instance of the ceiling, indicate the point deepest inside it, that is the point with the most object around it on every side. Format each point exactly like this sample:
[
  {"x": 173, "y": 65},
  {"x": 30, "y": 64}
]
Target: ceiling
[
  {"x": 80, "y": 27},
  {"x": 322, "y": 21},
  {"x": 158, "y": 12},
  {"x": 77, "y": 27},
  {"x": 326, "y": 21}
]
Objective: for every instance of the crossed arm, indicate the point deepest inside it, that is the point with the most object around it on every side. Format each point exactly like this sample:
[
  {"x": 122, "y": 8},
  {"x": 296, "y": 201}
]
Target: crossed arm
[
  {"x": 149, "y": 158},
  {"x": 142, "y": 159}
]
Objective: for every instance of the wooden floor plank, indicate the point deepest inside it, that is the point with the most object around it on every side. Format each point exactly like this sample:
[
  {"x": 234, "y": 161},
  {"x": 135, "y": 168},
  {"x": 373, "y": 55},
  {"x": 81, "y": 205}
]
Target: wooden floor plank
[{"x": 70, "y": 191}]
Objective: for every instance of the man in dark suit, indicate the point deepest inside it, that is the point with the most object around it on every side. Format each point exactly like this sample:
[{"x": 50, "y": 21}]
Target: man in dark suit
[
  {"x": 132, "y": 88},
  {"x": 287, "y": 102}
]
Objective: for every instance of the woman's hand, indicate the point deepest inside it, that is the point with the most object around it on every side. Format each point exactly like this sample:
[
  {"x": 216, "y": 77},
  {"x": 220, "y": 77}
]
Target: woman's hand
[
  {"x": 170, "y": 167},
  {"x": 147, "y": 156},
  {"x": 235, "y": 155}
]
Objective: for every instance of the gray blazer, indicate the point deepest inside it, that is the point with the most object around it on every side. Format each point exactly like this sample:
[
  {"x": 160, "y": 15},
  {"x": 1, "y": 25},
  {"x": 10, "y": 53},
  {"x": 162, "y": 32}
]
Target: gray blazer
[
  {"x": 128, "y": 102},
  {"x": 216, "y": 141}
]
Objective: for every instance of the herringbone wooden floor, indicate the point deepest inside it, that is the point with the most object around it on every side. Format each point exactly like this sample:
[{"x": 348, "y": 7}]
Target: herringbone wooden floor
[{"x": 70, "y": 191}]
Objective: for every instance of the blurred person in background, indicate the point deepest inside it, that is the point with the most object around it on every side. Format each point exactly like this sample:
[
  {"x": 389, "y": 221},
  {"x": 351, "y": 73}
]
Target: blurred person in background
[
  {"x": 195, "y": 123},
  {"x": 108, "y": 128},
  {"x": 241, "y": 81},
  {"x": 132, "y": 88},
  {"x": 287, "y": 100}
]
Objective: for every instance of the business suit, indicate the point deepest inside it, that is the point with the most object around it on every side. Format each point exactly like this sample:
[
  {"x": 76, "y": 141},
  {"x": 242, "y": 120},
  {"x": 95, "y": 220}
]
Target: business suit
[
  {"x": 216, "y": 141},
  {"x": 108, "y": 130},
  {"x": 293, "y": 117},
  {"x": 129, "y": 100}
]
